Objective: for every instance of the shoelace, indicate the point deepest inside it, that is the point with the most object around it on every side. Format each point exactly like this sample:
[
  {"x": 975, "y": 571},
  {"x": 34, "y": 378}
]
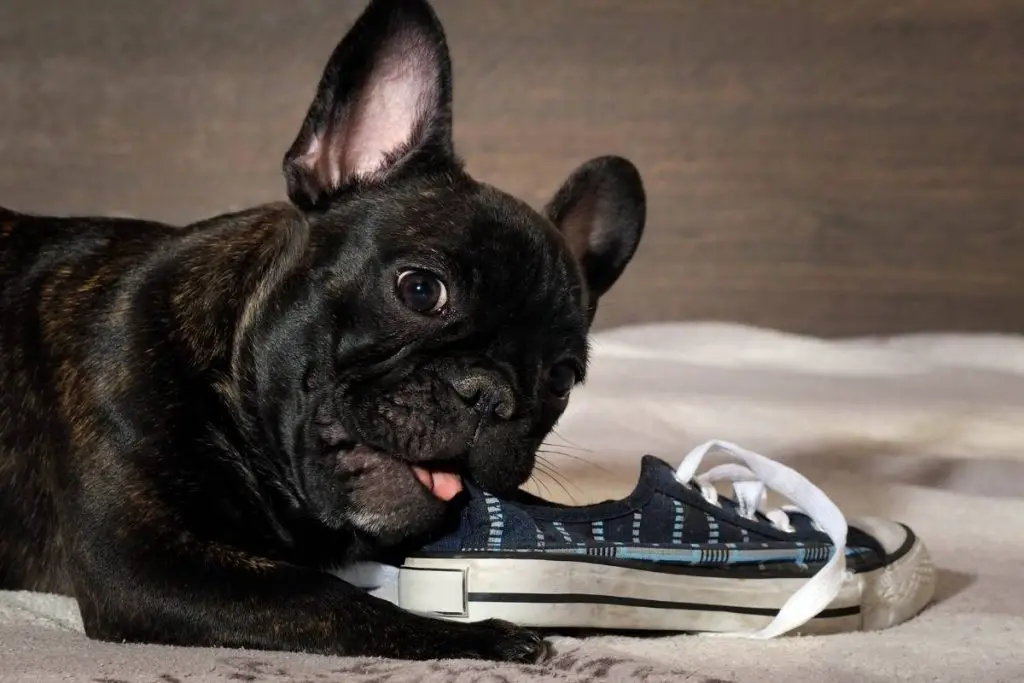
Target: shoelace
[{"x": 749, "y": 482}]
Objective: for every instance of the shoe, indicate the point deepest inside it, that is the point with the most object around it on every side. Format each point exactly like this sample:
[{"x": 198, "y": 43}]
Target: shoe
[{"x": 674, "y": 555}]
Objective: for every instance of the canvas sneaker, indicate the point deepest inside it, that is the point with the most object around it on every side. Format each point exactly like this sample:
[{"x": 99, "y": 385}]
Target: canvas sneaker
[{"x": 674, "y": 555}]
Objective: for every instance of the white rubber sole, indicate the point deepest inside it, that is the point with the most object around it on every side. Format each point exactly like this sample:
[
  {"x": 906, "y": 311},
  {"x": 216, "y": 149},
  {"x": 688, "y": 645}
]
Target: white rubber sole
[{"x": 567, "y": 593}]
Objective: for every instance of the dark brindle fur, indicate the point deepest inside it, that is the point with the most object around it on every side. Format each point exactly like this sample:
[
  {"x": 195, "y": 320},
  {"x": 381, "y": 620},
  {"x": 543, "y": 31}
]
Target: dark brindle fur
[{"x": 196, "y": 421}]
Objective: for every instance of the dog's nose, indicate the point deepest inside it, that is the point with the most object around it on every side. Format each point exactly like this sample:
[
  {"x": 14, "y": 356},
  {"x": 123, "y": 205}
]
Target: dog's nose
[{"x": 486, "y": 394}]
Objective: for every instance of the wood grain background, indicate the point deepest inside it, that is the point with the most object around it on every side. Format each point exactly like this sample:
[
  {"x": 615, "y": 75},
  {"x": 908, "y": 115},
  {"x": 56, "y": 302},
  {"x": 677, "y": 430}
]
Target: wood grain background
[{"x": 831, "y": 167}]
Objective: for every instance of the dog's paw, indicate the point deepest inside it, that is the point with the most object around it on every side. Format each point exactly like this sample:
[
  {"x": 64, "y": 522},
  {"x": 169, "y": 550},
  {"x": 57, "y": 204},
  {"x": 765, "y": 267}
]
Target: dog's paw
[
  {"x": 503, "y": 641},
  {"x": 516, "y": 644}
]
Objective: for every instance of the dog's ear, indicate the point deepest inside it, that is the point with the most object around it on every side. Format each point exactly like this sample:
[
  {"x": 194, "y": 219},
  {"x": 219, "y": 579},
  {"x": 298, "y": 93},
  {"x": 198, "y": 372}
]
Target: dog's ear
[
  {"x": 383, "y": 100},
  {"x": 601, "y": 209}
]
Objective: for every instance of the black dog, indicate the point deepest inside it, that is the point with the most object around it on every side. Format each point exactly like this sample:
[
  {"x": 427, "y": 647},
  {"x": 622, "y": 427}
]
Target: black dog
[{"x": 196, "y": 421}]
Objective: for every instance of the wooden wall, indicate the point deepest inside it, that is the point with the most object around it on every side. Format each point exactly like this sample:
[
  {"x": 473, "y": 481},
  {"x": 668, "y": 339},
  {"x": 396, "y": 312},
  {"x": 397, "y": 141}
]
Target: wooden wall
[{"x": 831, "y": 167}]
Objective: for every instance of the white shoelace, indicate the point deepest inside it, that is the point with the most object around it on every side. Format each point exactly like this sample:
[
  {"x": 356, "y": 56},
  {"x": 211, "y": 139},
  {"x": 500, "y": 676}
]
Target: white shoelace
[{"x": 749, "y": 483}]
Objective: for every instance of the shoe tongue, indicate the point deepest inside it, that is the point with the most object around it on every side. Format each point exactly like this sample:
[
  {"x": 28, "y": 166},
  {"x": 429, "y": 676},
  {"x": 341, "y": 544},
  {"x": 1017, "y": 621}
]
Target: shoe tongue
[
  {"x": 654, "y": 470},
  {"x": 655, "y": 473}
]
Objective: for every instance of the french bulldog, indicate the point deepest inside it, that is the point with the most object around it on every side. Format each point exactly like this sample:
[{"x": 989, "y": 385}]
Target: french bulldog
[{"x": 197, "y": 421}]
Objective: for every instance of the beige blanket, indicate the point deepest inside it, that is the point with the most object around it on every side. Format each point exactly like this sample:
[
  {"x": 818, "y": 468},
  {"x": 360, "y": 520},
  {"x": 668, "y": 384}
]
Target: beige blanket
[{"x": 927, "y": 429}]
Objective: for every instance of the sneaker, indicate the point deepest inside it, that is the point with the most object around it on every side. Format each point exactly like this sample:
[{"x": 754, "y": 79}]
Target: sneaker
[{"x": 674, "y": 555}]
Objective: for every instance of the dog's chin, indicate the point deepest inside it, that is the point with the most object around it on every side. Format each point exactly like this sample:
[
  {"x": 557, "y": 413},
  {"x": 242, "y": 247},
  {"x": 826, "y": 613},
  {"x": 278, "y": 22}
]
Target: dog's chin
[{"x": 383, "y": 497}]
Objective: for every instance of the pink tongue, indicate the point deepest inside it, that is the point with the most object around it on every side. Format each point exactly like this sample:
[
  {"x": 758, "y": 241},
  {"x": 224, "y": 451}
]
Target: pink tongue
[{"x": 444, "y": 485}]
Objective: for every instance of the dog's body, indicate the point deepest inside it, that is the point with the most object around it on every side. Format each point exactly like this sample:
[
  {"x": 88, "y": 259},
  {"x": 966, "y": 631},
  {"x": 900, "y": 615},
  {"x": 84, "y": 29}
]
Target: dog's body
[{"x": 196, "y": 421}]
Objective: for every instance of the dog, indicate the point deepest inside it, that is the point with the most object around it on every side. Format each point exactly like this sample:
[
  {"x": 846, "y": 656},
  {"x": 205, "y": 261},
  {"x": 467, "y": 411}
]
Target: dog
[{"x": 197, "y": 421}]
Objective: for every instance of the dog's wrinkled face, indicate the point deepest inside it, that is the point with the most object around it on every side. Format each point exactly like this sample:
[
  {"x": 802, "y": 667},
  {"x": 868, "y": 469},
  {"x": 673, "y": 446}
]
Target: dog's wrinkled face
[
  {"x": 444, "y": 323},
  {"x": 459, "y": 323}
]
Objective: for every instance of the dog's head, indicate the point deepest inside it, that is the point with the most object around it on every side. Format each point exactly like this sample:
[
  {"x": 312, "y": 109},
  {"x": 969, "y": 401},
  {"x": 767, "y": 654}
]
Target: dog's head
[{"x": 441, "y": 324}]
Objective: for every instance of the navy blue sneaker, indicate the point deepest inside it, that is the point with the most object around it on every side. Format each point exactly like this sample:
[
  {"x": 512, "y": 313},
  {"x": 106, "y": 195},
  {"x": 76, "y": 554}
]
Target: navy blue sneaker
[{"x": 674, "y": 555}]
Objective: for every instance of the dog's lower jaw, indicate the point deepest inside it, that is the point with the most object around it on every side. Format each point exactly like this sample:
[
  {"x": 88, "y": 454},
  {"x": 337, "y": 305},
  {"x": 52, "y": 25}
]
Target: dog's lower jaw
[
  {"x": 380, "y": 497},
  {"x": 376, "y": 525}
]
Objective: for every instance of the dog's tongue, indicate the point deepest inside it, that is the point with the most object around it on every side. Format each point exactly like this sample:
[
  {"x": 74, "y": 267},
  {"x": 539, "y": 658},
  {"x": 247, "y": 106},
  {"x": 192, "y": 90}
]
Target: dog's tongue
[{"x": 444, "y": 485}]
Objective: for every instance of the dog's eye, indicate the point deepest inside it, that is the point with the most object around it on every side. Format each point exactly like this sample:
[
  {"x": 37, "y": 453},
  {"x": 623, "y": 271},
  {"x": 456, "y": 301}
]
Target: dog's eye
[
  {"x": 561, "y": 379},
  {"x": 421, "y": 291}
]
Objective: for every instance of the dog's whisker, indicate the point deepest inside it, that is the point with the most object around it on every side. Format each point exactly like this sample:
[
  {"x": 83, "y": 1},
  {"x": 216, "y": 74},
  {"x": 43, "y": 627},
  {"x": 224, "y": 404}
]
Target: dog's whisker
[
  {"x": 552, "y": 472},
  {"x": 554, "y": 444},
  {"x": 539, "y": 484},
  {"x": 562, "y": 486},
  {"x": 548, "y": 468},
  {"x": 569, "y": 443},
  {"x": 541, "y": 474},
  {"x": 545, "y": 467},
  {"x": 552, "y": 451},
  {"x": 542, "y": 457},
  {"x": 585, "y": 461}
]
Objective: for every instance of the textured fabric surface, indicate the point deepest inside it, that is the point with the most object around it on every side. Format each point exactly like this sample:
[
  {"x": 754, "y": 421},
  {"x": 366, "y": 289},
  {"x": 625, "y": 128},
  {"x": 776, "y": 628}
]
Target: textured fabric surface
[
  {"x": 660, "y": 521},
  {"x": 924, "y": 429}
]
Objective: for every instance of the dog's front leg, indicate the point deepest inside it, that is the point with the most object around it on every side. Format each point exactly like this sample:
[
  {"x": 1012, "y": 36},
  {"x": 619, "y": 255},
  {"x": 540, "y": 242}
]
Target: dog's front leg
[{"x": 189, "y": 593}]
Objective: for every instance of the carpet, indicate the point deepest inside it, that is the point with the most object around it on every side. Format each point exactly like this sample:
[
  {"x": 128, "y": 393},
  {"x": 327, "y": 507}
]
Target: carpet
[{"x": 923, "y": 428}]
